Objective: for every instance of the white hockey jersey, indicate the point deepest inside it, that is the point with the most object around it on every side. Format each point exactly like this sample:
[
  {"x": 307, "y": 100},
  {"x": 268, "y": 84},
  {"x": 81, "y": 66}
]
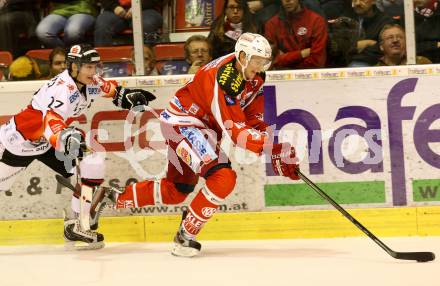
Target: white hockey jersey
[{"x": 27, "y": 133}]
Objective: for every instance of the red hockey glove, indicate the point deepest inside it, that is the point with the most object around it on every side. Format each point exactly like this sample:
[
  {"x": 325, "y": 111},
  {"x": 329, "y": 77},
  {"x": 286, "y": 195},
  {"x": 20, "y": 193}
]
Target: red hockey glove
[
  {"x": 107, "y": 86},
  {"x": 284, "y": 162}
]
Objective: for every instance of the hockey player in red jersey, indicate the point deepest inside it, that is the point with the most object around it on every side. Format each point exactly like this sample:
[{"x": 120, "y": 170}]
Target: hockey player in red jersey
[
  {"x": 223, "y": 99},
  {"x": 40, "y": 132}
]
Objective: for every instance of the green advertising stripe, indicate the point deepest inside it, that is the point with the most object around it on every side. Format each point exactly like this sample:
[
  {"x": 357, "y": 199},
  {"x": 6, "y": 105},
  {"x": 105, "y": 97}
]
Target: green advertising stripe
[
  {"x": 426, "y": 190},
  {"x": 341, "y": 192}
]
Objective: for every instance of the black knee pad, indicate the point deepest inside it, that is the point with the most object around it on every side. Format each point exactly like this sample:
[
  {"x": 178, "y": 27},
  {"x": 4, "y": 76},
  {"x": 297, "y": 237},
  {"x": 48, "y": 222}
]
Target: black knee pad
[{"x": 184, "y": 188}]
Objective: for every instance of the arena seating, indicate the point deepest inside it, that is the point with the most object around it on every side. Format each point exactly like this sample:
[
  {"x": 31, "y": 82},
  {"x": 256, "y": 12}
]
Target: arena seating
[
  {"x": 40, "y": 54},
  {"x": 115, "y": 53},
  {"x": 5, "y": 61},
  {"x": 117, "y": 59},
  {"x": 165, "y": 51},
  {"x": 169, "y": 51}
]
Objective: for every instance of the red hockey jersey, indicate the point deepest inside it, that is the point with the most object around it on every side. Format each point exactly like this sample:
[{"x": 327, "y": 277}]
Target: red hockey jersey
[{"x": 220, "y": 99}]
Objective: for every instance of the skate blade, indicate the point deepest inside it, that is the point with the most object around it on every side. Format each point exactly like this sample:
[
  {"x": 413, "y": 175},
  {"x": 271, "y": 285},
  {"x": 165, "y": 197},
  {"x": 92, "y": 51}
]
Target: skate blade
[
  {"x": 79, "y": 245},
  {"x": 182, "y": 251}
]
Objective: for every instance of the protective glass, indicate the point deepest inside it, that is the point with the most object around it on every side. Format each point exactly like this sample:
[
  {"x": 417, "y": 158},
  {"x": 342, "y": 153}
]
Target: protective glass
[
  {"x": 259, "y": 63},
  {"x": 93, "y": 68},
  {"x": 100, "y": 69}
]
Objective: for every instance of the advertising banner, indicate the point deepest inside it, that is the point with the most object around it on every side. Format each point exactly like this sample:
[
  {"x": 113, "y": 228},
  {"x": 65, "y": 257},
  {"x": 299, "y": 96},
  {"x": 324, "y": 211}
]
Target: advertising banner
[
  {"x": 196, "y": 14},
  {"x": 369, "y": 136}
]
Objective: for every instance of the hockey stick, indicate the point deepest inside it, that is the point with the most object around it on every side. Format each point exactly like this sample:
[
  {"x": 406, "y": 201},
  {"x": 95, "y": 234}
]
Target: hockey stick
[
  {"x": 418, "y": 256},
  {"x": 65, "y": 182}
]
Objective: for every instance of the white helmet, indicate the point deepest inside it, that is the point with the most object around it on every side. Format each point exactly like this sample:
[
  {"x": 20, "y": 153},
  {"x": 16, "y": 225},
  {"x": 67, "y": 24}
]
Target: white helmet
[{"x": 253, "y": 45}]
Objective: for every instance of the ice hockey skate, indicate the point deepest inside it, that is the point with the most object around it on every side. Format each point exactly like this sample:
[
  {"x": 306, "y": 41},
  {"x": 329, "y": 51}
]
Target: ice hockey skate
[
  {"x": 76, "y": 238},
  {"x": 183, "y": 245}
]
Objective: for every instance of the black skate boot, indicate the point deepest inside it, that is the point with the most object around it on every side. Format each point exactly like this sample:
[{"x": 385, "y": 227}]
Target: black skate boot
[
  {"x": 78, "y": 239},
  {"x": 102, "y": 198},
  {"x": 183, "y": 245}
]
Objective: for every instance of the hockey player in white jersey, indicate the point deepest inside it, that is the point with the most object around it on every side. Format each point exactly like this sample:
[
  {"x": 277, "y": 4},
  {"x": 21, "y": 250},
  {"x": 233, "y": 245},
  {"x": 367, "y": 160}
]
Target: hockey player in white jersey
[{"x": 40, "y": 132}]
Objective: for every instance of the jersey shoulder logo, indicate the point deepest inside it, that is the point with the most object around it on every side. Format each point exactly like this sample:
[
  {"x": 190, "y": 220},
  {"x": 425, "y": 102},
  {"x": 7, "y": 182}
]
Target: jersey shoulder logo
[{"x": 230, "y": 79}]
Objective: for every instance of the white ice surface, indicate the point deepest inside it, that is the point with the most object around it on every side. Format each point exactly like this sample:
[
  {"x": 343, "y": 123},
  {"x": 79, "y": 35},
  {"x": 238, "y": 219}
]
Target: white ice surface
[{"x": 346, "y": 261}]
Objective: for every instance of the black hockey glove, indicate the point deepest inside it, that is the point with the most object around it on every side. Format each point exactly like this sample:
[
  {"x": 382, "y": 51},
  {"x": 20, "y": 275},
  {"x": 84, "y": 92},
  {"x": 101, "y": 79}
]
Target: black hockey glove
[
  {"x": 129, "y": 98},
  {"x": 73, "y": 144}
]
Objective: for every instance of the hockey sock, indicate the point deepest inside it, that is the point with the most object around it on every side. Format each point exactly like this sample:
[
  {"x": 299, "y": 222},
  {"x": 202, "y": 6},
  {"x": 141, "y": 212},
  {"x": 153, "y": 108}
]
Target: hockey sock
[
  {"x": 218, "y": 186},
  {"x": 150, "y": 193}
]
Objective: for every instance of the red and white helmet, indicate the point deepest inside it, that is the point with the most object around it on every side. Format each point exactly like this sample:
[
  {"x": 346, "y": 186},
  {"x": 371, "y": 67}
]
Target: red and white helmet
[{"x": 253, "y": 45}]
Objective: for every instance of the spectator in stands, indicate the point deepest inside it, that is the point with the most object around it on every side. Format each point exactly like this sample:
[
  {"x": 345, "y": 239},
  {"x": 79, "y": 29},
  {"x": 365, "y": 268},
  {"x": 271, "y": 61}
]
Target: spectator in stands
[
  {"x": 342, "y": 43},
  {"x": 298, "y": 37},
  {"x": 393, "y": 46},
  {"x": 72, "y": 18},
  {"x": 314, "y": 5},
  {"x": 234, "y": 20},
  {"x": 24, "y": 68},
  {"x": 116, "y": 17},
  {"x": 333, "y": 8},
  {"x": 197, "y": 52},
  {"x": 392, "y": 8},
  {"x": 371, "y": 22},
  {"x": 18, "y": 19},
  {"x": 149, "y": 61},
  {"x": 427, "y": 26},
  {"x": 264, "y": 10},
  {"x": 57, "y": 61}
]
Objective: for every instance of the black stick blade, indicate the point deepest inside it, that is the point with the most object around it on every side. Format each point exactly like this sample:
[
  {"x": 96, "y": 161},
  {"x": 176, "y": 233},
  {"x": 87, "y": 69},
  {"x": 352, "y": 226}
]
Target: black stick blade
[
  {"x": 63, "y": 181},
  {"x": 418, "y": 256}
]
